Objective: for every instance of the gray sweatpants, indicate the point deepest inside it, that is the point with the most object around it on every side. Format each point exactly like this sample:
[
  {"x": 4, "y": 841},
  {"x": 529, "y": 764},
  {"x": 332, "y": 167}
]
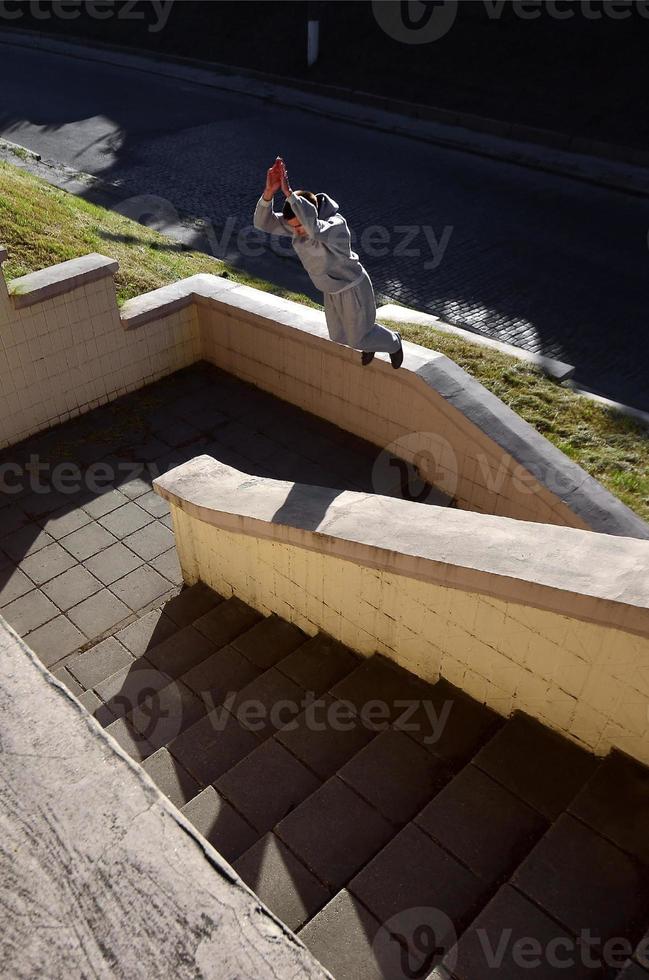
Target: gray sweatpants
[{"x": 351, "y": 319}]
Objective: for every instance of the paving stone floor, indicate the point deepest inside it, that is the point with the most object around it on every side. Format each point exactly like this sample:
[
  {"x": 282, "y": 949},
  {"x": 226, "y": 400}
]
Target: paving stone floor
[{"x": 85, "y": 543}]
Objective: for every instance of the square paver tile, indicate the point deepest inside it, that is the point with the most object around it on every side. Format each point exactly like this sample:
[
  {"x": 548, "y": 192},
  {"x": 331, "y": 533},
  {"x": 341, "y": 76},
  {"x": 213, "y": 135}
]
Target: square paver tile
[
  {"x": 113, "y": 563},
  {"x": 150, "y": 541},
  {"x": 26, "y": 541},
  {"x": 531, "y": 934},
  {"x": 378, "y": 679},
  {"x": 131, "y": 741},
  {"x": 615, "y": 802},
  {"x": 450, "y": 724},
  {"x": 88, "y": 541},
  {"x": 64, "y": 676},
  {"x": 180, "y": 652},
  {"x": 326, "y": 735},
  {"x": 267, "y": 703},
  {"x": 227, "y": 620},
  {"x": 168, "y": 565},
  {"x": 394, "y": 775},
  {"x": 137, "y": 485},
  {"x": 13, "y": 518},
  {"x": 334, "y": 832},
  {"x": 415, "y": 872},
  {"x": 266, "y": 785},
  {"x": 65, "y": 521},
  {"x": 125, "y": 520},
  {"x": 140, "y": 587},
  {"x": 542, "y": 768},
  {"x": 47, "y": 563},
  {"x": 319, "y": 663},
  {"x": 343, "y": 938},
  {"x": 13, "y": 584},
  {"x": 130, "y": 686},
  {"x": 170, "y": 777},
  {"x": 585, "y": 882},
  {"x": 191, "y": 604},
  {"x": 220, "y": 824},
  {"x": 55, "y": 640},
  {"x": 99, "y": 613},
  {"x": 71, "y": 587},
  {"x": 96, "y": 707},
  {"x": 269, "y": 641},
  {"x": 154, "y": 504},
  {"x": 146, "y": 632},
  {"x": 212, "y": 746},
  {"x": 104, "y": 503},
  {"x": 29, "y": 612},
  {"x": 281, "y": 881},
  {"x": 484, "y": 825},
  {"x": 167, "y": 712},
  {"x": 223, "y": 673},
  {"x": 99, "y": 662}
]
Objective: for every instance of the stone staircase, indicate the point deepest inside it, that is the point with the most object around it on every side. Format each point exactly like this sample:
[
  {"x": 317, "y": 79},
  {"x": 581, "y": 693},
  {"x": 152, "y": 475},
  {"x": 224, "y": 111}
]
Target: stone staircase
[{"x": 380, "y": 817}]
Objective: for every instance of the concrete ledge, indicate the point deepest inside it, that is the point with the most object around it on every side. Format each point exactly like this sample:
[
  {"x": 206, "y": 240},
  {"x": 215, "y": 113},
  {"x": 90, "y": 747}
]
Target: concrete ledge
[
  {"x": 162, "y": 302},
  {"x": 58, "y": 279},
  {"x": 430, "y": 373},
  {"x": 597, "y": 577},
  {"x": 569, "y": 482},
  {"x": 3, "y": 254},
  {"x": 114, "y": 881},
  {"x": 403, "y": 314}
]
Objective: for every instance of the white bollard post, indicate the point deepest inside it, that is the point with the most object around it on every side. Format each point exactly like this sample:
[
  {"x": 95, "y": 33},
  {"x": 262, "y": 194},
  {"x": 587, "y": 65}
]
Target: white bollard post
[{"x": 313, "y": 42}]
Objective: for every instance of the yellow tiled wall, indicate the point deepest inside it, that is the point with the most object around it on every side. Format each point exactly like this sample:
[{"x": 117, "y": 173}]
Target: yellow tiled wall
[
  {"x": 66, "y": 355},
  {"x": 382, "y": 406},
  {"x": 588, "y": 681}
]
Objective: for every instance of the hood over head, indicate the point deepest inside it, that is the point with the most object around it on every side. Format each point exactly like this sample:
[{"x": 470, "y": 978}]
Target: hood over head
[{"x": 327, "y": 207}]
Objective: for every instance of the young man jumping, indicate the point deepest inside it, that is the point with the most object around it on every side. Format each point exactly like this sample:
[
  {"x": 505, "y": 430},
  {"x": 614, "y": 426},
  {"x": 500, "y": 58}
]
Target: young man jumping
[{"x": 321, "y": 238}]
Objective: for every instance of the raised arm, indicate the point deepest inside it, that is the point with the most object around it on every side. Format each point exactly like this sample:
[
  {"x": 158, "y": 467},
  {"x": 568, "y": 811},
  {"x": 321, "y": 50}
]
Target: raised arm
[{"x": 265, "y": 219}]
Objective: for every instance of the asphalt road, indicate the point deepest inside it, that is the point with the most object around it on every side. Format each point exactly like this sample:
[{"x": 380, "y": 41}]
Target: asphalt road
[{"x": 538, "y": 260}]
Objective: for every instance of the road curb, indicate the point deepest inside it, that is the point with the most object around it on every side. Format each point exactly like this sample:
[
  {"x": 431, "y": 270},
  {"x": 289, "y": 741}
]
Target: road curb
[
  {"x": 558, "y": 370},
  {"x": 18, "y": 150},
  {"x": 601, "y": 171}
]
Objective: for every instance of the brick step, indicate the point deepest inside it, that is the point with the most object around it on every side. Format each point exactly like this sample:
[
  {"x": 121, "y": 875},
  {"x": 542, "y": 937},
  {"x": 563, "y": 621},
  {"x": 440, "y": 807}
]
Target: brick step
[
  {"x": 534, "y": 835},
  {"x": 378, "y": 805},
  {"x": 372, "y": 776}
]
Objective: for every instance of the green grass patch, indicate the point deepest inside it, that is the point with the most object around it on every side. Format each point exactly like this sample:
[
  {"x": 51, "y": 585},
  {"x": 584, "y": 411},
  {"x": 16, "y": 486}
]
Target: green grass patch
[
  {"x": 42, "y": 225},
  {"x": 611, "y": 447}
]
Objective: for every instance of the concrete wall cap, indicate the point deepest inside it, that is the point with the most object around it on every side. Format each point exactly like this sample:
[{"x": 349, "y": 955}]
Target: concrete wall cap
[
  {"x": 422, "y": 540},
  {"x": 57, "y": 279}
]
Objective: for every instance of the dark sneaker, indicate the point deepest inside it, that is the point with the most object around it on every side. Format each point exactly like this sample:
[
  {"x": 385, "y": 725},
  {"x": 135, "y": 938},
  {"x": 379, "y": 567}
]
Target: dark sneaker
[
  {"x": 367, "y": 356},
  {"x": 396, "y": 359}
]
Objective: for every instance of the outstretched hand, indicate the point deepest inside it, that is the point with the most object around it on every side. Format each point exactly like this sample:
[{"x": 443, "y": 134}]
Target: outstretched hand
[
  {"x": 286, "y": 187},
  {"x": 273, "y": 179}
]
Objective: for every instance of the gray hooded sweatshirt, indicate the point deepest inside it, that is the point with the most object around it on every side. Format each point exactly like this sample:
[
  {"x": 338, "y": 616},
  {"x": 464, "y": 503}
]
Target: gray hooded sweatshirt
[{"x": 325, "y": 251}]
